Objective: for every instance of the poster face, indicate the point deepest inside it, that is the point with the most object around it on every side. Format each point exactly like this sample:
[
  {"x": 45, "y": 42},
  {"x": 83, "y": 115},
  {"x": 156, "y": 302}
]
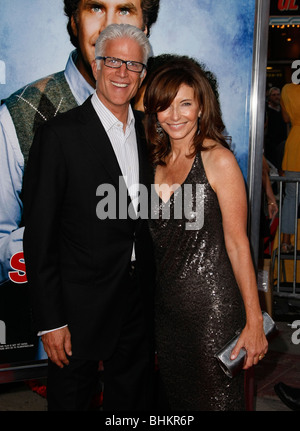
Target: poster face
[{"x": 34, "y": 43}]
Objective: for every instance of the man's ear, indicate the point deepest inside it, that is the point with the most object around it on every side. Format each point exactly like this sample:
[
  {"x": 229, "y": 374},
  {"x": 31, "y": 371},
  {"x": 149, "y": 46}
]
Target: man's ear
[
  {"x": 142, "y": 77},
  {"x": 74, "y": 26},
  {"x": 95, "y": 69},
  {"x": 145, "y": 30}
]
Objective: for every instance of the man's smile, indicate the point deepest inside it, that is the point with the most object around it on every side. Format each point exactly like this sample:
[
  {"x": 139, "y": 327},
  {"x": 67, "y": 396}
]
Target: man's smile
[{"x": 119, "y": 84}]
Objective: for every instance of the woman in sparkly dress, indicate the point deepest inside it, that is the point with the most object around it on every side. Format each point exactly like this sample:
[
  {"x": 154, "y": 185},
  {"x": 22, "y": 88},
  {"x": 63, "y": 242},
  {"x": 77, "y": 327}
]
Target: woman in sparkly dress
[{"x": 206, "y": 283}]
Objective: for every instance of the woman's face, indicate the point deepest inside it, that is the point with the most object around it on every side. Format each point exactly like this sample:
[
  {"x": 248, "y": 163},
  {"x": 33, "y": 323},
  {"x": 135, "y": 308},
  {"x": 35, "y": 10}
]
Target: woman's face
[{"x": 180, "y": 119}]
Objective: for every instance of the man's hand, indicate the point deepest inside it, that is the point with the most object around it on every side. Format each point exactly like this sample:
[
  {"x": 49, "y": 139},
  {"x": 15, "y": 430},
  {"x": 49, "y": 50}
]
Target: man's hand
[{"x": 57, "y": 345}]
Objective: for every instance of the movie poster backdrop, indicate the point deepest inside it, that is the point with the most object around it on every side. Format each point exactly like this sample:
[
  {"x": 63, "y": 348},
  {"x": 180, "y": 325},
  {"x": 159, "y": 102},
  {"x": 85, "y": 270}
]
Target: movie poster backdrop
[{"x": 34, "y": 43}]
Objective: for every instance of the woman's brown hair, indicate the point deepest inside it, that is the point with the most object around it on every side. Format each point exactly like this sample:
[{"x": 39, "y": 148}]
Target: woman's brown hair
[{"x": 161, "y": 90}]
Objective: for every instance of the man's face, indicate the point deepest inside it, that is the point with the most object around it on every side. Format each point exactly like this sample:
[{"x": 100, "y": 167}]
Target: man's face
[
  {"x": 116, "y": 87},
  {"x": 95, "y": 15},
  {"x": 274, "y": 98}
]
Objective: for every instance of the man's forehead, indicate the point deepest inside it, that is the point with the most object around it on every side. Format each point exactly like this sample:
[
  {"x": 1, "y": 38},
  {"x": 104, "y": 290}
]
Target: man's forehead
[
  {"x": 122, "y": 44},
  {"x": 118, "y": 4}
]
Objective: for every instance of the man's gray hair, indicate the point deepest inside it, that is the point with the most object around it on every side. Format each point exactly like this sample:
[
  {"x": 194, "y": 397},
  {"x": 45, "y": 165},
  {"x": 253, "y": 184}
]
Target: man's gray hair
[
  {"x": 272, "y": 90},
  {"x": 120, "y": 31}
]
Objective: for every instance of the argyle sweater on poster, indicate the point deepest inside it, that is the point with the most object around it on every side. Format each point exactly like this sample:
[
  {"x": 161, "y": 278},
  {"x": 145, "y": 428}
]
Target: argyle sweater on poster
[{"x": 36, "y": 103}]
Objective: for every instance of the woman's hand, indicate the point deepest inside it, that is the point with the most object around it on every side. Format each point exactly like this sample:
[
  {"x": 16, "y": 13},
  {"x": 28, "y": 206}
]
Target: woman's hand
[{"x": 254, "y": 341}]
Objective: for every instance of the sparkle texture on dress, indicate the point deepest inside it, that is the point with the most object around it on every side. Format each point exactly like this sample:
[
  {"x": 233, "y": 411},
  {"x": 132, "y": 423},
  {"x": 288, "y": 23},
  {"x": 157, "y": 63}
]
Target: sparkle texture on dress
[{"x": 198, "y": 303}]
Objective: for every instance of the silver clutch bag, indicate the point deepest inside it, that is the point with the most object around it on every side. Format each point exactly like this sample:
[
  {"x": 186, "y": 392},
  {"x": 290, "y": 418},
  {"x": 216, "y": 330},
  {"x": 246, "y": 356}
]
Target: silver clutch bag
[{"x": 232, "y": 367}]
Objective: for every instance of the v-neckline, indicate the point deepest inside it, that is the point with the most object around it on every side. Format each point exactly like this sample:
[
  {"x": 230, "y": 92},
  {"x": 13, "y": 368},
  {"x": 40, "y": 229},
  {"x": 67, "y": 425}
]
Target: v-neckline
[{"x": 180, "y": 186}]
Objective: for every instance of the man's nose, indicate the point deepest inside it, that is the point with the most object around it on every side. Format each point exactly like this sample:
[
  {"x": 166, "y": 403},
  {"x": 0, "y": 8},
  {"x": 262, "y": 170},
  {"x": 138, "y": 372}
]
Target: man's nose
[
  {"x": 122, "y": 71},
  {"x": 111, "y": 18}
]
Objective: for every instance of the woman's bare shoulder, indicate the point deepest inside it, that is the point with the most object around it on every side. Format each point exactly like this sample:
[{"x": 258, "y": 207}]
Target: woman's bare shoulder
[
  {"x": 218, "y": 155},
  {"x": 220, "y": 165}
]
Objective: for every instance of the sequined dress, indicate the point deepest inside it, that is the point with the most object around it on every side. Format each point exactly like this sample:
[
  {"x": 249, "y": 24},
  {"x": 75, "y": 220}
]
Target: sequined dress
[{"x": 198, "y": 303}]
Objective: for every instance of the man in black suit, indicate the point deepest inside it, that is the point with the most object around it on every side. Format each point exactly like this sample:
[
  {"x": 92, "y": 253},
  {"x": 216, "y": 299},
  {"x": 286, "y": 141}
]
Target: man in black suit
[{"x": 91, "y": 272}]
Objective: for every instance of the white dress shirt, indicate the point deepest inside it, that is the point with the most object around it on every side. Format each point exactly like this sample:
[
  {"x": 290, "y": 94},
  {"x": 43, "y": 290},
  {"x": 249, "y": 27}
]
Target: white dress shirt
[{"x": 124, "y": 145}]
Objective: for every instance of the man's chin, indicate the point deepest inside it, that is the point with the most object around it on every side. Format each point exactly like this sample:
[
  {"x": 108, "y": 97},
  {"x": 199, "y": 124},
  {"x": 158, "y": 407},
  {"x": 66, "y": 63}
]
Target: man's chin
[{"x": 86, "y": 71}]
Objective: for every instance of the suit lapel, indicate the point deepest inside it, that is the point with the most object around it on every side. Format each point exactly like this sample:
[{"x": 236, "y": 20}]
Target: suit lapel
[
  {"x": 142, "y": 149},
  {"x": 144, "y": 163},
  {"x": 96, "y": 139}
]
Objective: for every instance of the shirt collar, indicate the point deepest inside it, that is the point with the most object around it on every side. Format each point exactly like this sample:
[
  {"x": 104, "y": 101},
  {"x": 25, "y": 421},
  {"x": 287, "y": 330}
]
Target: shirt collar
[
  {"x": 80, "y": 88},
  {"x": 107, "y": 117}
]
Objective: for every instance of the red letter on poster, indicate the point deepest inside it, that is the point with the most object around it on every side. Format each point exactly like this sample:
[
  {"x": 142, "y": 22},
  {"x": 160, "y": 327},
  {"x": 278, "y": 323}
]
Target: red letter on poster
[
  {"x": 283, "y": 4},
  {"x": 287, "y": 5},
  {"x": 292, "y": 5},
  {"x": 18, "y": 264}
]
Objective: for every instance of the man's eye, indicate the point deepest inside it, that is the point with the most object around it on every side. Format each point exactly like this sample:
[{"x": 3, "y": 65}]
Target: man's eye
[
  {"x": 97, "y": 9},
  {"x": 124, "y": 12},
  {"x": 112, "y": 61},
  {"x": 133, "y": 65}
]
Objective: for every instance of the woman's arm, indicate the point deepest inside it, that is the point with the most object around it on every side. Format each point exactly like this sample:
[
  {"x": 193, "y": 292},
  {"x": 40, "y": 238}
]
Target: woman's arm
[
  {"x": 285, "y": 115},
  {"x": 227, "y": 181},
  {"x": 272, "y": 204}
]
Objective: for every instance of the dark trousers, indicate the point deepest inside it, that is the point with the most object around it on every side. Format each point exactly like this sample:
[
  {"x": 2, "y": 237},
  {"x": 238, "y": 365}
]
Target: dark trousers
[{"x": 128, "y": 374}]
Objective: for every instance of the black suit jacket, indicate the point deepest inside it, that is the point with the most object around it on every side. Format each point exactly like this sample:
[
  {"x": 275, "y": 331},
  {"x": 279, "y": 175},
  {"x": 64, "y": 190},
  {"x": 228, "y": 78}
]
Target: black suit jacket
[{"x": 77, "y": 264}]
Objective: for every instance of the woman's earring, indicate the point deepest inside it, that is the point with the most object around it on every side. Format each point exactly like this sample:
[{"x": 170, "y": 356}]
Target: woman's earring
[{"x": 159, "y": 129}]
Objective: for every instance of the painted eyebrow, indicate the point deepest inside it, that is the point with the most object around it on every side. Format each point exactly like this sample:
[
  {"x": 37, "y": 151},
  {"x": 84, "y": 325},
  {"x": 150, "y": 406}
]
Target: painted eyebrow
[
  {"x": 128, "y": 5},
  {"x": 93, "y": 3}
]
